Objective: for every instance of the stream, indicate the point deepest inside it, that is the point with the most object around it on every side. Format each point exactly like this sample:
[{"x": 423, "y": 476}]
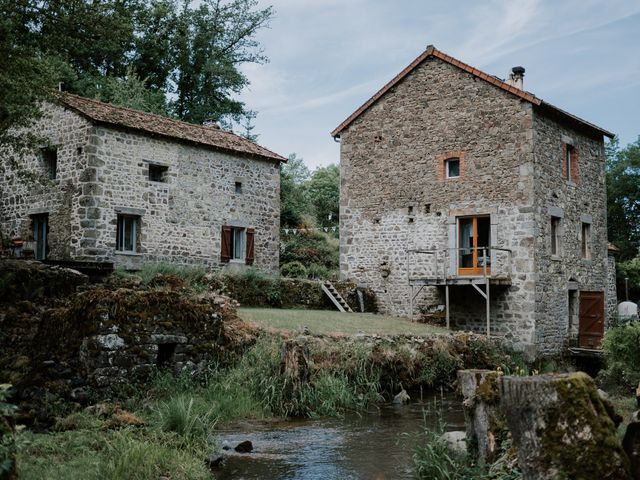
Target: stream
[{"x": 376, "y": 445}]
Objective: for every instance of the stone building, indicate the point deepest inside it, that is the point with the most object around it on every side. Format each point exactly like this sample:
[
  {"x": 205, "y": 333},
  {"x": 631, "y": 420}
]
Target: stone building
[
  {"x": 125, "y": 187},
  {"x": 457, "y": 186}
]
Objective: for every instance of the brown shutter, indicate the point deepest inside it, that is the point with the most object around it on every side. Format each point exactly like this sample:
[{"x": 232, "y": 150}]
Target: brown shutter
[
  {"x": 225, "y": 242},
  {"x": 250, "y": 235}
]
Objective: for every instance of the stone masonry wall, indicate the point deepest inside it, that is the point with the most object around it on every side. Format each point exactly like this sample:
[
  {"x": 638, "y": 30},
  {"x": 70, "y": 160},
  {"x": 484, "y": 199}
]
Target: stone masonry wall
[
  {"x": 180, "y": 219},
  {"x": 612, "y": 291},
  {"x": 574, "y": 202},
  {"x": 393, "y": 196},
  {"x": 60, "y": 198}
]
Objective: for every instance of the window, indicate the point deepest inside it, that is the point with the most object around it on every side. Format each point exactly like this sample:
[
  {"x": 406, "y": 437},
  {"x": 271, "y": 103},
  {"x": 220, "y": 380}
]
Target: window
[
  {"x": 158, "y": 173},
  {"x": 50, "y": 161},
  {"x": 452, "y": 167},
  {"x": 586, "y": 241},
  {"x": 237, "y": 244},
  {"x": 41, "y": 235},
  {"x": 555, "y": 236},
  {"x": 238, "y": 187},
  {"x": 127, "y": 233},
  {"x": 570, "y": 163}
]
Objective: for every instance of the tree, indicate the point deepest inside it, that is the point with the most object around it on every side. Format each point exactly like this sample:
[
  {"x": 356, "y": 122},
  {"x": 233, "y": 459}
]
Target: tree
[
  {"x": 324, "y": 195},
  {"x": 294, "y": 203},
  {"x": 623, "y": 197},
  {"x": 210, "y": 43}
]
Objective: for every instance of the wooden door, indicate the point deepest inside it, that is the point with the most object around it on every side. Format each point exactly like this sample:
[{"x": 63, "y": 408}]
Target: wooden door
[
  {"x": 591, "y": 328},
  {"x": 474, "y": 238}
]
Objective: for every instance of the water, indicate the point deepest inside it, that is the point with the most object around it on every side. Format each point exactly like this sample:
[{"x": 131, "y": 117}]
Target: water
[{"x": 375, "y": 446}]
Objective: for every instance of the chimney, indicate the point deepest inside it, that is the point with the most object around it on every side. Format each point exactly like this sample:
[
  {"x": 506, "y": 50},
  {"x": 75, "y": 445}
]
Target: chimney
[{"x": 516, "y": 78}]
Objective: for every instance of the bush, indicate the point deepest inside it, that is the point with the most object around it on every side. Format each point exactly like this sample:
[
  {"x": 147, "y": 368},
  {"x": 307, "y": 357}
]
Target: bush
[
  {"x": 319, "y": 272},
  {"x": 311, "y": 247},
  {"x": 621, "y": 347},
  {"x": 293, "y": 269}
]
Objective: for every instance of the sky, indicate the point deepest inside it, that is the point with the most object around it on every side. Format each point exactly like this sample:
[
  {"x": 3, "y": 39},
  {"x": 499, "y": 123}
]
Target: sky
[{"x": 327, "y": 57}]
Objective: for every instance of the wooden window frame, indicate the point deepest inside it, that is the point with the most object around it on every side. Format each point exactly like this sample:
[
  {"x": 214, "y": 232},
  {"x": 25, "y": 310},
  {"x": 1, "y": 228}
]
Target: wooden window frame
[
  {"x": 228, "y": 252},
  {"x": 570, "y": 170},
  {"x": 585, "y": 241}
]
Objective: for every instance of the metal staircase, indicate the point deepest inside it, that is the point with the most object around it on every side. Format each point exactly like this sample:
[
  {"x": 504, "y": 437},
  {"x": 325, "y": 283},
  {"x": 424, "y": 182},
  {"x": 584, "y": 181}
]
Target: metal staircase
[{"x": 334, "y": 295}]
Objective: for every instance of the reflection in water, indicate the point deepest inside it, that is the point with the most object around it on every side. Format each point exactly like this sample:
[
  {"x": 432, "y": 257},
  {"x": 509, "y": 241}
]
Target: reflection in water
[{"x": 375, "y": 446}]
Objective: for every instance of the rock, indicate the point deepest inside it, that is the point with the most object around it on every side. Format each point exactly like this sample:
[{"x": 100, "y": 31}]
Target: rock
[
  {"x": 226, "y": 446},
  {"x": 80, "y": 394},
  {"x": 456, "y": 441},
  {"x": 400, "y": 398},
  {"x": 561, "y": 428},
  {"x": 244, "y": 447},
  {"x": 214, "y": 460}
]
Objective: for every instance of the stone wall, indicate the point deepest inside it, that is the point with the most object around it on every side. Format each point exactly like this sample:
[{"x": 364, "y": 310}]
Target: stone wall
[
  {"x": 574, "y": 202},
  {"x": 60, "y": 198},
  {"x": 103, "y": 171},
  {"x": 393, "y": 196},
  {"x": 612, "y": 292}
]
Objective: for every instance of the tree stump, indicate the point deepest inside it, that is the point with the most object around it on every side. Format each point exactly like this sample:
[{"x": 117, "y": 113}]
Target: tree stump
[
  {"x": 484, "y": 421},
  {"x": 561, "y": 428}
]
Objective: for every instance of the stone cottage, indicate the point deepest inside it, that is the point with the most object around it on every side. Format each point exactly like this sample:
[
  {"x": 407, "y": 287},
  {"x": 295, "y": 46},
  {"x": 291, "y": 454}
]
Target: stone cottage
[
  {"x": 125, "y": 187},
  {"x": 465, "y": 194}
]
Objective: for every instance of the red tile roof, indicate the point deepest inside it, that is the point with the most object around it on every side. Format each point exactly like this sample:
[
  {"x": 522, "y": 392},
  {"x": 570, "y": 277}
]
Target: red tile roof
[
  {"x": 166, "y": 127},
  {"x": 431, "y": 51}
]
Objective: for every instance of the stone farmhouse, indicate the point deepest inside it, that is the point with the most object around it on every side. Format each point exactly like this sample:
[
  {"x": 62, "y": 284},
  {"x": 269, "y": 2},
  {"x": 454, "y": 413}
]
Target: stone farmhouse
[
  {"x": 465, "y": 195},
  {"x": 126, "y": 187}
]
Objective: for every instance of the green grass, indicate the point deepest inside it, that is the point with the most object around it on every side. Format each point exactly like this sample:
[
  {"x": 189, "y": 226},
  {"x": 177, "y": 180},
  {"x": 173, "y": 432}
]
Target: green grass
[{"x": 327, "y": 321}]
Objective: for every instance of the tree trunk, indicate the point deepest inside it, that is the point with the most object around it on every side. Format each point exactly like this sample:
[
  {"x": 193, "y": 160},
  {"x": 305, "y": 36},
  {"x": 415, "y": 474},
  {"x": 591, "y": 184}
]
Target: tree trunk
[
  {"x": 485, "y": 423},
  {"x": 561, "y": 428}
]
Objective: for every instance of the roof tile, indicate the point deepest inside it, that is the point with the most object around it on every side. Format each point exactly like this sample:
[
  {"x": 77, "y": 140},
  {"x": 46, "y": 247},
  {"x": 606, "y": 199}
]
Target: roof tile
[{"x": 158, "y": 125}]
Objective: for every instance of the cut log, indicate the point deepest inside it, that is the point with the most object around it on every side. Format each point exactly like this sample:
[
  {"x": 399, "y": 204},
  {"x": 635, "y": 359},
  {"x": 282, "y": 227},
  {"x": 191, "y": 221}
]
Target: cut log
[
  {"x": 561, "y": 428},
  {"x": 485, "y": 424}
]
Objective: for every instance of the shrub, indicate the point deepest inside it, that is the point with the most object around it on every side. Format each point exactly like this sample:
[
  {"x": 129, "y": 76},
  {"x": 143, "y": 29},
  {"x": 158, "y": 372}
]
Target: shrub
[
  {"x": 310, "y": 247},
  {"x": 621, "y": 347},
  {"x": 319, "y": 272},
  {"x": 186, "y": 418},
  {"x": 293, "y": 269}
]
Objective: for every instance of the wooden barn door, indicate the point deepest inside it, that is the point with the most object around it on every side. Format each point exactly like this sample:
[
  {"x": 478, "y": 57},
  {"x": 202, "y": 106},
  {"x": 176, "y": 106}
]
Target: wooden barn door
[{"x": 591, "y": 327}]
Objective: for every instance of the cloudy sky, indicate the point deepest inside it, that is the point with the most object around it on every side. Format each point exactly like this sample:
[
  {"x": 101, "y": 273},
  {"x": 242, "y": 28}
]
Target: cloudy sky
[{"x": 329, "y": 56}]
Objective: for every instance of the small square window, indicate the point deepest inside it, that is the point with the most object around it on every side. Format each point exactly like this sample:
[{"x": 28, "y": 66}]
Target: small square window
[
  {"x": 127, "y": 233},
  {"x": 238, "y": 187},
  {"x": 158, "y": 173},
  {"x": 50, "y": 161},
  {"x": 453, "y": 167}
]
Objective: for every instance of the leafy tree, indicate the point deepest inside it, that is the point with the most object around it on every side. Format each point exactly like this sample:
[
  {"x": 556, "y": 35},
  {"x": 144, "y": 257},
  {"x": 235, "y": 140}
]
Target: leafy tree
[
  {"x": 623, "y": 197},
  {"x": 294, "y": 203},
  {"x": 324, "y": 194},
  {"x": 211, "y": 41}
]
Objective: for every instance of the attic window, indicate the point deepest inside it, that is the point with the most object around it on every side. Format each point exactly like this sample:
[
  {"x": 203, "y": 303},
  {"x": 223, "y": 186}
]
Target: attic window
[
  {"x": 570, "y": 163},
  {"x": 50, "y": 161},
  {"x": 452, "y": 167},
  {"x": 238, "y": 187},
  {"x": 158, "y": 173}
]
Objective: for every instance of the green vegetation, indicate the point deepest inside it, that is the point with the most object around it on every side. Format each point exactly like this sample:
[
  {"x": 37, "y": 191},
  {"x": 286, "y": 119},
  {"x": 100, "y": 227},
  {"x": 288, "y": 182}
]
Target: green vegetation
[
  {"x": 621, "y": 347},
  {"x": 180, "y": 59},
  {"x": 8, "y": 446},
  {"x": 434, "y": 460},
  {"x": 325, "y": 322}
]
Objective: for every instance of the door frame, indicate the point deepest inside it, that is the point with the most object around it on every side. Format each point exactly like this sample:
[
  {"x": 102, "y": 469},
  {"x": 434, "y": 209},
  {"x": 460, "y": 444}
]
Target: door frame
[{"x": 476, "y": 270}]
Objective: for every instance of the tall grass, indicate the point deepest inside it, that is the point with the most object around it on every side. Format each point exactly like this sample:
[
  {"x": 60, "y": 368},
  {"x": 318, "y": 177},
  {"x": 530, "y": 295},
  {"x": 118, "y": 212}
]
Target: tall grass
[{"x": 193, "y": 275}]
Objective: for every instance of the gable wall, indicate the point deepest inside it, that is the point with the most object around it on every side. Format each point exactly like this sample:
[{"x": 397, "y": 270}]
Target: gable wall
[
  {"x": 389, "y": 161},
  {"x": 21, "y": 197}
]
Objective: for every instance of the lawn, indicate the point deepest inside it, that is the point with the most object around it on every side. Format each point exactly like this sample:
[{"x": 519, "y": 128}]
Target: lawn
[{"x": 327, "y": 321}]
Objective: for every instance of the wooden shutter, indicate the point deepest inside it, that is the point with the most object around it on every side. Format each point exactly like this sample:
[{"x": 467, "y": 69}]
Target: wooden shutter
[
  {"x": 250, "y": 242},
  {"x": 225, "y": 242}
]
